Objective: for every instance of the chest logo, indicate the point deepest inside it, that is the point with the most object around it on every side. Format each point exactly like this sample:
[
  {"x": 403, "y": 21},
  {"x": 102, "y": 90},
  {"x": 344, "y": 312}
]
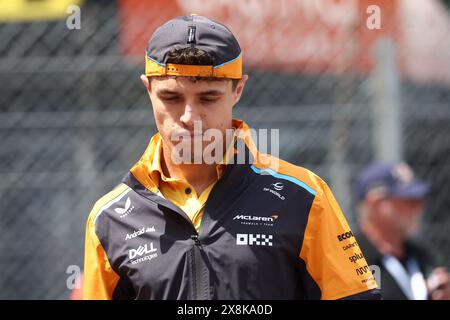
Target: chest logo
[
  {"x": 125, "y": 210},
  {"x": 277, "y": 186},
  {"x": 274, "y": 189},
  {"x": 256, "y": 220},
  {"x": 249, "y": 239},
  {"x": 143, "y": 253}
]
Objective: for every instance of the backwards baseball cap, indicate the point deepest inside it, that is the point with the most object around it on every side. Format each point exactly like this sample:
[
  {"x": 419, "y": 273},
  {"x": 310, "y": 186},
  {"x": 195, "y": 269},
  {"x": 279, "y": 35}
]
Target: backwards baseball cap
[
  {"x": 194, "y": 32},
  {"x": 395, "y": 180}
]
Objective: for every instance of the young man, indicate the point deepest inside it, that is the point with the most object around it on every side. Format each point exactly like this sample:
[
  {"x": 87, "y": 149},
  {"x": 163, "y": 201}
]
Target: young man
[
  {"x": 179, "y": 228},
  {"x": 391, "y": 204}
]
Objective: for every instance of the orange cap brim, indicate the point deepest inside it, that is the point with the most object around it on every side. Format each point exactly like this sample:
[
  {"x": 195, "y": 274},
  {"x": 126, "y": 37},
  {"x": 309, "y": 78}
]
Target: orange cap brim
[{"x": 231, "y": 69}]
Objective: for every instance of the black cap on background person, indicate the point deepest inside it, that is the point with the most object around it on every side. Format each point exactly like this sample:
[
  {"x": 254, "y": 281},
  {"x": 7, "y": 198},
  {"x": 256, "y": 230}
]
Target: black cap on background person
[{"x": 395, "y": 180}]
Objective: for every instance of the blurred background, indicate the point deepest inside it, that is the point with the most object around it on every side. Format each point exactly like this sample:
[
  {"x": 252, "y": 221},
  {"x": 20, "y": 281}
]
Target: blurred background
[{"x": 344, "y": 89}]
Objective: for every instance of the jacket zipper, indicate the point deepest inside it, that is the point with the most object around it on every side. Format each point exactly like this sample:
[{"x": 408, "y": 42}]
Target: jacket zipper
[
  {"x": 198, "y": 283},
  {"x": 198, "y": 269}
]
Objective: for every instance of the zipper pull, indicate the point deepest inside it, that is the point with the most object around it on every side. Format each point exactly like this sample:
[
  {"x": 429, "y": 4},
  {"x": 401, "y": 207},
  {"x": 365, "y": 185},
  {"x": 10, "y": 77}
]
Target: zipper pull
[{"x": 196, "y": 240}]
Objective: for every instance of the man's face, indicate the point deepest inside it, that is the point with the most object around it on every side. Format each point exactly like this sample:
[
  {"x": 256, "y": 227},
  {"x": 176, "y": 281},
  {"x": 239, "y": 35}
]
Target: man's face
[
  {"x": 180, "y": 102},
  {"x": 399, "y": 215}
]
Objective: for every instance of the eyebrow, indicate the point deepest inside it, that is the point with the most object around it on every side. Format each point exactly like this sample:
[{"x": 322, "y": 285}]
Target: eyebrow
[
  {"x": 166, "y": 92},
  {"x": 211, "y": 93},
  {"x": 207, "y": 92}
]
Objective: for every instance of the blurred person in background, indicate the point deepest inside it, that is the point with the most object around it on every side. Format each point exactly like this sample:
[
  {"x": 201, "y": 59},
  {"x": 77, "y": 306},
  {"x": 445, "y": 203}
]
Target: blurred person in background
[{"x": 390, "y": 206}]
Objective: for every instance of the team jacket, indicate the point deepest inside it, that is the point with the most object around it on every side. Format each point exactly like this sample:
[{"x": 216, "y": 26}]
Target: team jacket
[{"x": 270, "y": 230}]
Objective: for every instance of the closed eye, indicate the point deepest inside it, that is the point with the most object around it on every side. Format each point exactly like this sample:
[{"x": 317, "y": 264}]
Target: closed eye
[
  {"x": 168, "y": 95},
  {"x": 170, "y": 98},
  {"x": 209, "y": 99}
]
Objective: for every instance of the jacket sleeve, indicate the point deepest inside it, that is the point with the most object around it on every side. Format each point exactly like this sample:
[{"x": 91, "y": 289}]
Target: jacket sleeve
[
  {"x": 335, "y": 266},
  {"x": 99, "y": 279}
]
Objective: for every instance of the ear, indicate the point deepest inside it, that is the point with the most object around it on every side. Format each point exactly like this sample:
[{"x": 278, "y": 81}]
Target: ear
[
  {"x": 240, "y": 88},
  {"x": 146, "y": 83}
]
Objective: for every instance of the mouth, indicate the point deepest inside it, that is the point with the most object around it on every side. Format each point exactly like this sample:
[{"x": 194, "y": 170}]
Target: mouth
[
  {"x": 177, "y": 136},
  {"x": 184, "y": 132}
]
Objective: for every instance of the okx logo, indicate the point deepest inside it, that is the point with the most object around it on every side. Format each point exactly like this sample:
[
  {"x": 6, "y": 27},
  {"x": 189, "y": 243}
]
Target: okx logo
[
  {"x": 244, "y": 239},
  {"x": 143, "y": 253},
  {"x": 125, "y": 210}
]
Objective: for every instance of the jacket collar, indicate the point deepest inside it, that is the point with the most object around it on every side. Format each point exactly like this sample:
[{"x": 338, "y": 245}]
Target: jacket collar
[{"x": 148, "y": 169}]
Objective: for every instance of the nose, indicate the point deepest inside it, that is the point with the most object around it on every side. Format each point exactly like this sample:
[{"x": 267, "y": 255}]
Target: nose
[{"x": 190, "y": 115}]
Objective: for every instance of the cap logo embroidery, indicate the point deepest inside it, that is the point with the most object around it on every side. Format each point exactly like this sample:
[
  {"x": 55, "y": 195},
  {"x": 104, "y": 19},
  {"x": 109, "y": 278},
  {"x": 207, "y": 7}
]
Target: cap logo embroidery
[
  {"x": 403, "y": 173},
  {"x": 191, "y": 35}
]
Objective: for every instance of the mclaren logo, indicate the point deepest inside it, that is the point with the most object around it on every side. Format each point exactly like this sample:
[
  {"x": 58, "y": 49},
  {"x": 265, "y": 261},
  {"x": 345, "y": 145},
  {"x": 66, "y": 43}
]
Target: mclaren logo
[
  {"x": 256, "y": 220},
  {"x": 125, "y": 210}
]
